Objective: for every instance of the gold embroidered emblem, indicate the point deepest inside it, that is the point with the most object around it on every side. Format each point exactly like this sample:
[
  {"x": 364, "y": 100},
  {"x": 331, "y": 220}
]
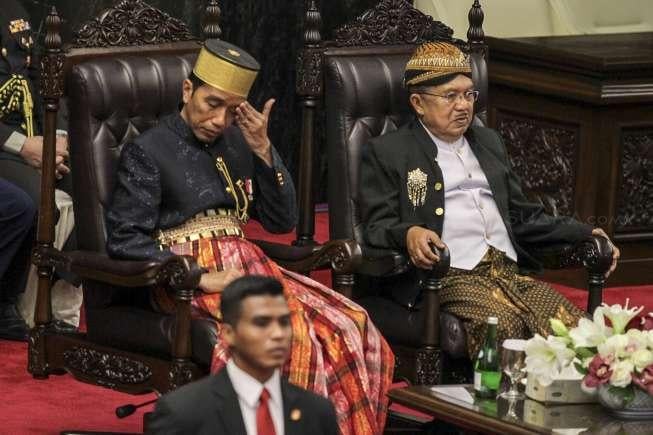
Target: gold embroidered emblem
[
  {"x": 295, "y": 415},
  {"x": 241, "y": 207},
  {"x": 20, "y": 25},
  {"x": 417, "y": 187}
]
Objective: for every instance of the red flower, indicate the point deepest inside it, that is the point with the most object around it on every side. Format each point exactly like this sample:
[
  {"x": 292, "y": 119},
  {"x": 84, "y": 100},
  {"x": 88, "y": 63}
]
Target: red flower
[
  {"x": 645, "y": 380},
  {"x": 599, "y": 372}
]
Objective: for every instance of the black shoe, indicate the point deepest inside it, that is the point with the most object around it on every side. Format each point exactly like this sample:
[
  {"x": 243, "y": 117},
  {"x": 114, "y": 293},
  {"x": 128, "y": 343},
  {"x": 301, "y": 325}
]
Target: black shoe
[{"x": 12, "y": 325}]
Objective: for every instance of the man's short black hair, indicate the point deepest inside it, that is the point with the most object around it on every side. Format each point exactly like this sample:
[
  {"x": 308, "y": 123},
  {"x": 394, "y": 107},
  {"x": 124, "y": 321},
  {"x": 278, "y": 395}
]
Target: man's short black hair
[
  {"x": 195, "y": 81},
  {"x": 242, "y": 288}
]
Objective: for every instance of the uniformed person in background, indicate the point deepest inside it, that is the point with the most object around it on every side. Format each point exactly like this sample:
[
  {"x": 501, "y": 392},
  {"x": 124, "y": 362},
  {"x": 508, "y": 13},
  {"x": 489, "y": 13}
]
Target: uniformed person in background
[{"x": 21, "y": 145}]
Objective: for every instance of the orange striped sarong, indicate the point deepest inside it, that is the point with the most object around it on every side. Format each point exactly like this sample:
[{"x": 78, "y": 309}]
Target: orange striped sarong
[{"x": 336, "y": 350}]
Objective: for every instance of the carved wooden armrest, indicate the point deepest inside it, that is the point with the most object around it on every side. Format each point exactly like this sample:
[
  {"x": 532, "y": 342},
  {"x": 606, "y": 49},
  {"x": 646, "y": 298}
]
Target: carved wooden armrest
[
  {"x": 178, "y": 272},
  {"x": 342, "y": 256},
  {"x": 595, "y": 254},
  {"x": 379, "y": 262}
]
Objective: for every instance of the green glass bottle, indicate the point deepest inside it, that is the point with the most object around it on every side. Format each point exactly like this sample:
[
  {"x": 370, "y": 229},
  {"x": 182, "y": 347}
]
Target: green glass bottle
[{"x": 487, "y": 373}]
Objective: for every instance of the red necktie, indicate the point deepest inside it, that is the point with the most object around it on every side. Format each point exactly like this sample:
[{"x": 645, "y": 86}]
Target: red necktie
[{"x": 264, "y": 424}]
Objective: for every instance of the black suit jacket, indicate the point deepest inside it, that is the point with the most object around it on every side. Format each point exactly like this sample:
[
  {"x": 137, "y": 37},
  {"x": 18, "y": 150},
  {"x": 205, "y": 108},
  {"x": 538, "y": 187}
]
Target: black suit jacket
[
  {"x": 210, "y": 406},
  {"x": 388, "y": 213},
  {"x": 166, "y": 176}
]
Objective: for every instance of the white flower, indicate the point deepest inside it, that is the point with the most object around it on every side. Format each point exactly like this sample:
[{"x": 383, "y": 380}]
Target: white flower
[
  {"x": 621, "y": 373},
  {"x": 558, "y": 328},
  {"x": 642, "y": 358},
  {"x": 585, "y": 362},
  {"x": 636, "y": 340},
  {"x": 649, "y": 338},
  {"x": 613, "y": 347},
  {"x": 619, "y": 317},
  {"x": 545, "y": 358},
  {"x": 590, "y": 333}
]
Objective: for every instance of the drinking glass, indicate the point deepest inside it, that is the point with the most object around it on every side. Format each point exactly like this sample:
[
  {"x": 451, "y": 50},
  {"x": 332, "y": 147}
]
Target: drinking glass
[{"x": 513, "y": 364}]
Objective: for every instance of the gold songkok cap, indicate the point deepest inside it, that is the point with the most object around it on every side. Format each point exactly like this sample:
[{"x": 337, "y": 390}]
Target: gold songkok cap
[
  {"x": 226, "y": 67},
  {"x": 432, "y": 62}
]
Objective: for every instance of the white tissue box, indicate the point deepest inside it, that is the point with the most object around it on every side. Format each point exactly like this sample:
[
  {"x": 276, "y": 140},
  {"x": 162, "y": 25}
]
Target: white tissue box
[{"x": 563, "y": 390}]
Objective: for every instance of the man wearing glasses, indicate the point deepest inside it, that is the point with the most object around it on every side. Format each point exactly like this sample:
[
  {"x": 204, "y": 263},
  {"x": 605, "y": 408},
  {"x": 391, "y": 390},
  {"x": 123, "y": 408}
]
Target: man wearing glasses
[{"x": 440, "y": 180}]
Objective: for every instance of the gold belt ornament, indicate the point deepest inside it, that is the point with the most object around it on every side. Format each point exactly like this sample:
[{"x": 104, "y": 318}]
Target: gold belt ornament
[
  {"x": 15, "y": 95},
  {"x": 205, "y": 225}
]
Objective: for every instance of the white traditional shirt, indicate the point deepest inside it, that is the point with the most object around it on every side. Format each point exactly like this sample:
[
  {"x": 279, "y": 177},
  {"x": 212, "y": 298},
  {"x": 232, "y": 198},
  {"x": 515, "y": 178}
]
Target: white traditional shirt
[
  {"x": 472, "y": 221},
  {"x": 249, "y": 389}
]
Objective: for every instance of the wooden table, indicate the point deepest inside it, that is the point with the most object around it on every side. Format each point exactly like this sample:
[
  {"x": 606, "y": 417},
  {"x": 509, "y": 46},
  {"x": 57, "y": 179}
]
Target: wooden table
[
  {"x": 491, "y": 417},
  {"x": 576, "y": 114}
]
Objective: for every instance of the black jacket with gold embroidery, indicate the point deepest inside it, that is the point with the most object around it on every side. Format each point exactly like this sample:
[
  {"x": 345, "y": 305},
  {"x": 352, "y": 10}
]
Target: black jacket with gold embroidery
[
  {"x": 387, "y": 211},
  {"x": 166, "y": 176},
  {"x": 18, "y": 73}
]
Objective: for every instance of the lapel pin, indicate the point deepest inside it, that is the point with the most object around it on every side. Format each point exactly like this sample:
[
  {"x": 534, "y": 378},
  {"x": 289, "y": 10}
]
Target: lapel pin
[
  {"x": 416, "y": 183},
  {"x": 295, "y": 414}
]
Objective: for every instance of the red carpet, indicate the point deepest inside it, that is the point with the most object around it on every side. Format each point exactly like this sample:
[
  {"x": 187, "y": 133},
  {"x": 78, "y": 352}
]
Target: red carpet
[{"x": 60, "y": 403}]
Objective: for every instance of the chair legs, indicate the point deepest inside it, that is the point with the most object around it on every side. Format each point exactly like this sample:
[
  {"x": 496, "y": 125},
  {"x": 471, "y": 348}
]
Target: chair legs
[
  {"x": 428, "y": 362},
  {"x": 37, "y": 360}
]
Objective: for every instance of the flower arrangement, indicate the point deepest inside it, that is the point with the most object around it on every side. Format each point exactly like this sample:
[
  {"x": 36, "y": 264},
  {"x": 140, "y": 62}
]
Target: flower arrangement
[{"x": 611, "y": 349}]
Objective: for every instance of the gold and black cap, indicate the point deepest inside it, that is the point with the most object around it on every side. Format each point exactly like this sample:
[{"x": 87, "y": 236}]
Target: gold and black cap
[
  {"x": 226, "y": 67},
  {"x": 436, "y": 63}
]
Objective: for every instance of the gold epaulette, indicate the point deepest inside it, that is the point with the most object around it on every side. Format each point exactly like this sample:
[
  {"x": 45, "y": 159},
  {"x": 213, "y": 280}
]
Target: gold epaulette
[{"x": 16, "y": 95}]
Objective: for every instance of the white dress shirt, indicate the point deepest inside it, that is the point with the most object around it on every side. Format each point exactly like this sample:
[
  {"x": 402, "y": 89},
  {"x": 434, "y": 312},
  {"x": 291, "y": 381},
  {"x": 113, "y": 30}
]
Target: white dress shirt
[
  {"x": 472, "y": 221},
  {"x": 249, "y": 390}
]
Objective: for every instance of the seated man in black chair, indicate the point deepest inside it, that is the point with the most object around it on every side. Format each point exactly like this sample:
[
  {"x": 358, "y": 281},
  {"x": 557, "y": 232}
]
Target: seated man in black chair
[
  {"x": 187, "y": 185},
  {"x": 440, "y": 181}
]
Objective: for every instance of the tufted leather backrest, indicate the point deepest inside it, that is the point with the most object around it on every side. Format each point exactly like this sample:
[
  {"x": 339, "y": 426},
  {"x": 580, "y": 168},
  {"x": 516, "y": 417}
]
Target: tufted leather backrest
[
  {"x": 111, "y": 101},
  {"x": 364, "y": 98}
]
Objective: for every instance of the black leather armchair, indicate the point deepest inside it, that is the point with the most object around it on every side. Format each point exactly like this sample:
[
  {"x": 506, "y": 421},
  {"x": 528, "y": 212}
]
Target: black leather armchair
[
  {"x": 114, "y": 94},
  {"x": 358, "y": 78}
]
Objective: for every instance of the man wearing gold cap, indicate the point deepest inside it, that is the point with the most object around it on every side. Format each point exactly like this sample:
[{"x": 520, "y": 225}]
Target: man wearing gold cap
[
  {"x": 187, "y": 186},
  {"x": 441, "y": 180}
]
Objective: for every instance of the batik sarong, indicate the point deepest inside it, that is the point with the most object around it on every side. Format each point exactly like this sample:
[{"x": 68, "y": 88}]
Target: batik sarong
[{"x": 494, "y": 288}]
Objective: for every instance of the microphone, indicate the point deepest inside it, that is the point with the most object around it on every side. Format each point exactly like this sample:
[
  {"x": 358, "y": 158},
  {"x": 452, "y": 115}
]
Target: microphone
[{"x": 129, "y": 409}]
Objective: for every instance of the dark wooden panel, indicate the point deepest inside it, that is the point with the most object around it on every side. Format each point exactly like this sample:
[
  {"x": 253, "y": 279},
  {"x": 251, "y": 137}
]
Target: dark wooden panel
[
  {"x": 541, "y": 89},
  {"x": 635, "y": 199},
  {"x": 543, "y": 154}
]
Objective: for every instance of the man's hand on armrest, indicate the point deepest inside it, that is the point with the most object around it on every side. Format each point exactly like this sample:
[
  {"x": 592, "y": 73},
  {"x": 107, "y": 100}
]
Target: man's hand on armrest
[
  {"x": 615, "y": 251},
  {"x": 418, "y": 243}
]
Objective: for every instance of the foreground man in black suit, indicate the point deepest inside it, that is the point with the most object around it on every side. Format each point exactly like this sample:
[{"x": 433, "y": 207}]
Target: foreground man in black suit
[{"x": 248, "y": 396}]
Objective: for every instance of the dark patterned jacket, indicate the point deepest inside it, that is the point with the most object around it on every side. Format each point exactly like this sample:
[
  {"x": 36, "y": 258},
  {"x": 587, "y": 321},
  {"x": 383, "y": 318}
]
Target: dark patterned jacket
[
  {"x": 388, "y": 213},
  {"x": 166, "y": 176}
]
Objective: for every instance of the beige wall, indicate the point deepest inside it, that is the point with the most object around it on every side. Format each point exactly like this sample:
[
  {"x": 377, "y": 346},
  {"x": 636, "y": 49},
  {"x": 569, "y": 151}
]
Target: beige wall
[{"x": 511, "y": 18}]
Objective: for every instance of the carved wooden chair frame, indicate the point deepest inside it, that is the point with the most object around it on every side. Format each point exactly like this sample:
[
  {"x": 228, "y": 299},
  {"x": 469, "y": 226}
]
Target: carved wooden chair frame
[
  {"x": 52, "y": 353},
  {"x": 365, "y": 36}
]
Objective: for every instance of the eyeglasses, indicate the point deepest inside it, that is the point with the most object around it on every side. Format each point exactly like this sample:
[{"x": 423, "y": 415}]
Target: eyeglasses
[{"x": 452, "y": 97}]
